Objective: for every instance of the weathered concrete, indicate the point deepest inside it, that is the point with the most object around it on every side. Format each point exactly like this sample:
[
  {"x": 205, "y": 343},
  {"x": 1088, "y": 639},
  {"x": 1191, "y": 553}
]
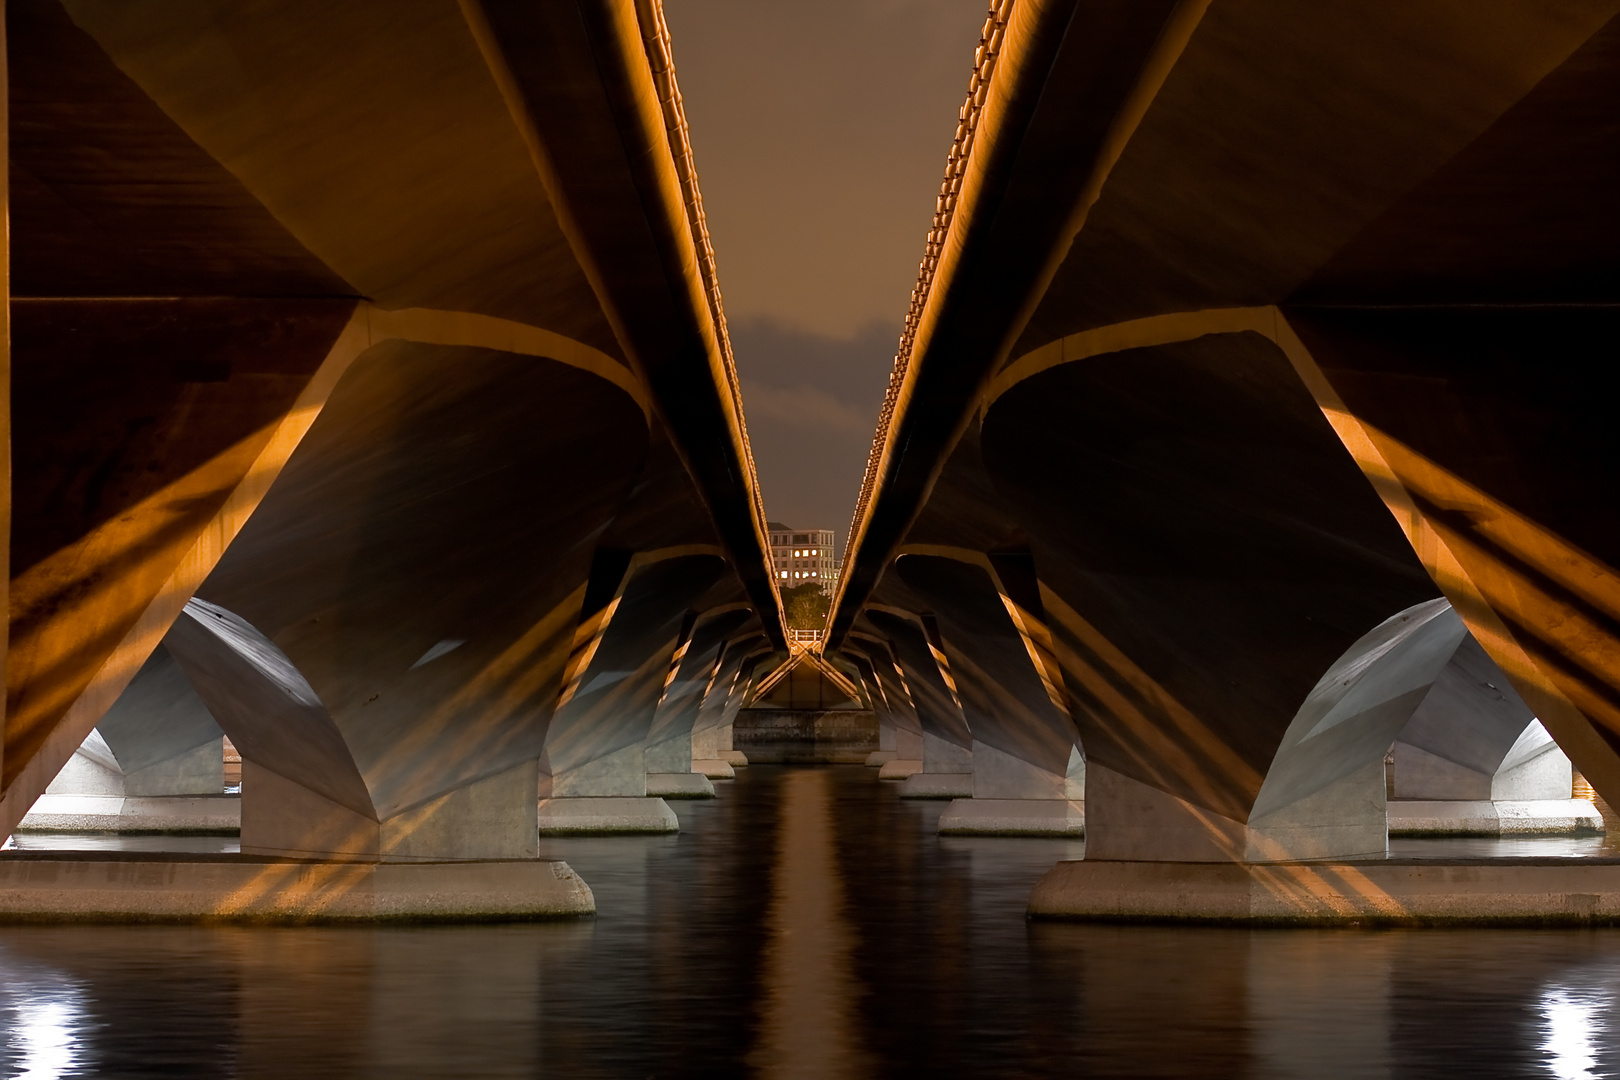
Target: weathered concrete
[
  {"x": 129, "y": 887},
  {"x": 828, "y": 736},
  {"x": 937, "y": 785},
  {"x": 1014, "y": 817},
  {"x": 1484, "y": 817},
  {"x": 881, "y": 757},
  {"x": 1508, "y": 891},
  {"x": 210, "y": 815},
  {"x": 900, "y": 768},
  {"x": 735, "y": 758},
  {"x": 491, "y": 818},
  {"x": 687, "y": 785},
  {"x": 562, "y": 817},
  {"x": 714, "y": 768}
]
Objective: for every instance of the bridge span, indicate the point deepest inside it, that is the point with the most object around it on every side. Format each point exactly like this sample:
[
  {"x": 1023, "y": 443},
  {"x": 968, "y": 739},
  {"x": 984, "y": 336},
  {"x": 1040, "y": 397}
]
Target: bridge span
[{"x": 1246, "y": 422}]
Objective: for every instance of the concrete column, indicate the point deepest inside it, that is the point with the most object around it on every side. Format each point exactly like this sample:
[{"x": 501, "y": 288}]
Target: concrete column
[
  {"x": 597, "y": 744},
  {"x": 943, "y": 744},
  {"x": 1324, "y": 796},
  {"x": 155, "y": 763},
  {"x": 1010, "y": 687},
  {"x": 302, "y": 791},
  {"x": 670, "y": 736},
  {"x": 711, "y": 731},
  {"x": 1474, "y": 760}
]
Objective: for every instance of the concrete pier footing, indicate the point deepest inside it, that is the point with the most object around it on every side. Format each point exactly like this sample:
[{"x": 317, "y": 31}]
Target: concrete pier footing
[
  {"x": 879, "y": 758},
  {"x": 681, "y": 785},
  {"x": 1504, "y": 891},
  {"x": 562, "y": 817},
  {"x": 933, "y": 785},
  {"x": 900, "y": 768},
  {"x": 1013, "y": 817},
  {"x": 714, "y": 768},
  {"x": 47, "y": 886},
  {"x": 210, "y": 815},
  {"x": 735, "y": 758},
  {"x": 1534, "y": 817}
]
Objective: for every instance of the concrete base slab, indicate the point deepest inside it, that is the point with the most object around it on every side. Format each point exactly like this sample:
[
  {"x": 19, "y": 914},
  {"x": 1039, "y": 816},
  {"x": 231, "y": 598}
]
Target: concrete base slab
[
  {"x": 564, "y": 817},
  {"x": 735, "y": 758},
  {"x": 713, "y": 768},
  {"x": 1538, "y": 817},
  {"x": 52, "y": 886},
  {"x": 900, "y": 768},
  {"x": 879, "y": 758},
  {"x": 933, "y": 785},
  {"x": 1506, "y": 891},
  {"x": 208, "y": 815},
  {"x": 1013, "y": 817},
  {"x": 679, "y": 785}
]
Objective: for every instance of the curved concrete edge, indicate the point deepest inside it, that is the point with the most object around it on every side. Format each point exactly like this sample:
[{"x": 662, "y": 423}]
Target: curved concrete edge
[
  {"x": 573, "y": 816},
  {"x": 879, "y": 758},
  {"x": 933, "y": 785},
  {"x": 714, "y": 768},
  {"x": 679, "y": 785},
  {"x": 735, "y": 758},
  {"x": 1013, "y": 817},
  {"x": 1538, "y": 817},
  {"x": 211, "y": 815},
  {"x": 117, "y": 887},
  {"x": 1409, "y": 892},
  {"x": 900, "y": 768}
]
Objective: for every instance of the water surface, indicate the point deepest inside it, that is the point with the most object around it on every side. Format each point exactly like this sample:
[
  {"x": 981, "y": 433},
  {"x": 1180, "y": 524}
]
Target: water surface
[{"x": 809, "y": 923}]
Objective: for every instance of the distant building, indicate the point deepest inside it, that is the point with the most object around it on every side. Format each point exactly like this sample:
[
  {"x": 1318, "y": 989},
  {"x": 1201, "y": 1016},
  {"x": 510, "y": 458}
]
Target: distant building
[{"x": 801, "y": 555}]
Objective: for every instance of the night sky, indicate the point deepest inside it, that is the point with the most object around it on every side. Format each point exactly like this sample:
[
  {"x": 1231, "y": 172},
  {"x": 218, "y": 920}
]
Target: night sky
[{"x": 820, "y": 131}]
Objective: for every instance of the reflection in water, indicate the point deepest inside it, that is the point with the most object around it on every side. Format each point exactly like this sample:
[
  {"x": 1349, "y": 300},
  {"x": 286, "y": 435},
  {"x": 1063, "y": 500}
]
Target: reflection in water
[
  {"x": 1569, "y": 1019},
  {"x": 806, "y": 922},
  {"x": 42, "y": 1017},
  {"x": 807, "y": 1027}
]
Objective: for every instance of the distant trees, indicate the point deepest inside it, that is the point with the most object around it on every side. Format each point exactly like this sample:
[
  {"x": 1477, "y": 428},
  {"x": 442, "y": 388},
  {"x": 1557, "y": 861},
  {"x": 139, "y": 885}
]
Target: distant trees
[{"x": 806, "y": 606}]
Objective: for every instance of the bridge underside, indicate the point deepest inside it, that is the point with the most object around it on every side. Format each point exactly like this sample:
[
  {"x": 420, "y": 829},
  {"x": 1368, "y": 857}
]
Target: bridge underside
[
  {"x": 1246, "y": 424},
  {"x": 368, "y": 372}
]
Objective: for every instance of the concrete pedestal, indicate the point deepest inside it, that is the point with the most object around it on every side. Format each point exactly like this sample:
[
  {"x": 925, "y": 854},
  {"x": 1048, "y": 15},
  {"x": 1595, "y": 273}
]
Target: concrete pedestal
[
  {"x": 51, "y": 886},
  {"x": 1534, "y": 817},
  {"x": 563, "y": 817},
  {"x": 714, "y": 768},
  {"x": 1013, "y": 817},
  {"x": 735, "y": 758},
  {"x": 489, "y": 819},
  {"x": 687, "y": 785},
  {"x": 933, "y": 785},
  {"x": 1507, "y": 891},
  {"x": 900, "y": 768},
  {"x": 212, "y": 815},
  {"x": 879, "y": 758}
]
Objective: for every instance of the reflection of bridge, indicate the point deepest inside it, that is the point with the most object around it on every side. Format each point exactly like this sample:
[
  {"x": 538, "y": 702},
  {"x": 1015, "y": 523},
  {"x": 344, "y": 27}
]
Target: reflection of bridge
[{"x": 373, "y": 405}]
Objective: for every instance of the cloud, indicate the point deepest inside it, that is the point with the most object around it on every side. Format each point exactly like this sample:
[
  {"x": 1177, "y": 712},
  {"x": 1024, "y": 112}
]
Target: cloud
[
  {"x": 802, "y": 407},
  {"x": 811, "y": 403}
]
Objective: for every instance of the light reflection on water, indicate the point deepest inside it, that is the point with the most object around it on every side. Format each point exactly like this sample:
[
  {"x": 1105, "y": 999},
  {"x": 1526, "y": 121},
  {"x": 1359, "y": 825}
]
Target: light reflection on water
[{"x": 807, "y": 922}]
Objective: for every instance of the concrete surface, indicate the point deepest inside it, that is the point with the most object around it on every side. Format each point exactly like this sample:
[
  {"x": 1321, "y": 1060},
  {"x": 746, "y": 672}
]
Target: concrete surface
[
  {"x": 900, "y": 768},
  {"x": 203, "y": 814},
  {"x": 1013, "y": 817},
  {"x": 146, "y": 887},
  {"x": 687, "y": 785},
  {"x": 1503, "y": 891},
  {"x": 560, "y": 817},
  {"x": 933, "y": 785},
  {"x": 1482, "y": 817}
]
